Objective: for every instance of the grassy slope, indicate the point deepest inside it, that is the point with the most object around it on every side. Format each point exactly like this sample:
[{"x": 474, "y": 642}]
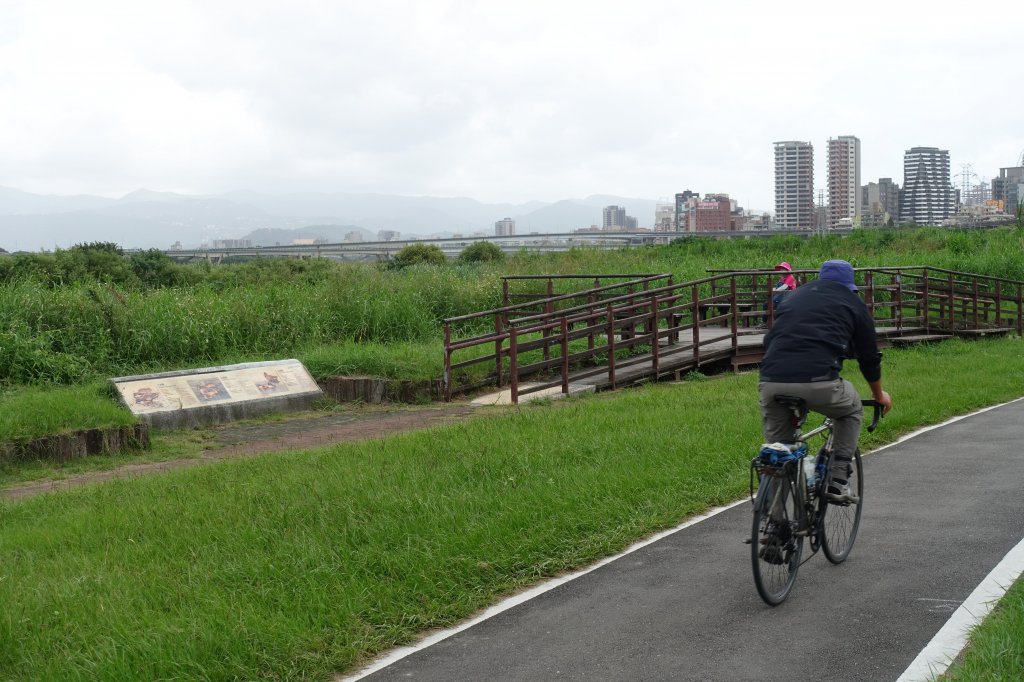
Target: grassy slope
[{"x": 301, "y": 564}]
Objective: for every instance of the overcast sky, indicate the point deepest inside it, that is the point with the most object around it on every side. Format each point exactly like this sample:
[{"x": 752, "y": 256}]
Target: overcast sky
[{"x": 499, "y": 101}]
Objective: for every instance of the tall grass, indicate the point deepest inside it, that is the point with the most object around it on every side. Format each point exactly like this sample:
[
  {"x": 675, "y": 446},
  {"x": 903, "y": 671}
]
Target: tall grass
[
  {"x": 299, "y": 565},
  {"x": 31, "y": 412},
  {"x": 54, "y": 333}
]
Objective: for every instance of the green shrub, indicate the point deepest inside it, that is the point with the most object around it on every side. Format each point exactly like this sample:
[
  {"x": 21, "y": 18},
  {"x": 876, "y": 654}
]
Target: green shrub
[
  {"x": 482, "y": 252},
  {"x": 426, "y": 254}
]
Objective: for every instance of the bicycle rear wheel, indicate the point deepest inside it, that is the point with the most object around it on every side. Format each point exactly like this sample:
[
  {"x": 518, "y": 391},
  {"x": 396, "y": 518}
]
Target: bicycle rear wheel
[
  {"x": 839, "y": 522},
  {"x": 775, "y": 548}
]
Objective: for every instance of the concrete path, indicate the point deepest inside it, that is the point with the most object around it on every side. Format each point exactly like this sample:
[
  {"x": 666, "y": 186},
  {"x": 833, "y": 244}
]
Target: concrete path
[{"x": 941, "y": 510}]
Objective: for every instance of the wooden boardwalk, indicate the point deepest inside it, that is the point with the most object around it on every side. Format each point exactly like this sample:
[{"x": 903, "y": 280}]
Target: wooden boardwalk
[
  {"x": 676, "y": 360},
  {"x": 649, "y": 328}
]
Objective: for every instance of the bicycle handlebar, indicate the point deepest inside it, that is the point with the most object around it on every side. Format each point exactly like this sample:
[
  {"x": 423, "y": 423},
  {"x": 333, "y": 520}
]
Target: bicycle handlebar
[{"x": 878, "y": 413}]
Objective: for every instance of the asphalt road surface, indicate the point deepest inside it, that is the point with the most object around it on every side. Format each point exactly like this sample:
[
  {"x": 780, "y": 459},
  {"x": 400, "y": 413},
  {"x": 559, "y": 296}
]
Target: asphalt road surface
[{"x": 941, "y": 510}]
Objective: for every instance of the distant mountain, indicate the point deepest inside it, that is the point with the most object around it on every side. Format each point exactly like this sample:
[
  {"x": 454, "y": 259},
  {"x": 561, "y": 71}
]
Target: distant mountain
[
  {"x": 16, "y": 202},
  {"x": 148, "y": 219}
]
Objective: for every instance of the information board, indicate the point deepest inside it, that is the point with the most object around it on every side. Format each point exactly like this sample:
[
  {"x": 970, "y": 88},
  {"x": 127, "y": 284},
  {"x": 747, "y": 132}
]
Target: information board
[{"x": 216, "y": 386}]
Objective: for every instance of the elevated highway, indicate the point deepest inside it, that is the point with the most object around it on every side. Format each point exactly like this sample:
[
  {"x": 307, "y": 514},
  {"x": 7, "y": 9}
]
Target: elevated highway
[{"x": 453, "y": 246}]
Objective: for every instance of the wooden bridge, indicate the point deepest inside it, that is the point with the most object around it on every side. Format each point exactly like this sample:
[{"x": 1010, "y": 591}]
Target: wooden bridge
[{"x": 621, "y": 329}]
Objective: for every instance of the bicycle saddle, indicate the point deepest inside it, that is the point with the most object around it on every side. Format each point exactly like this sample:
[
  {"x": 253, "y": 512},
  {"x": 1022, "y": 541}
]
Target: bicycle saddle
[{"x": 790, "y": 401}]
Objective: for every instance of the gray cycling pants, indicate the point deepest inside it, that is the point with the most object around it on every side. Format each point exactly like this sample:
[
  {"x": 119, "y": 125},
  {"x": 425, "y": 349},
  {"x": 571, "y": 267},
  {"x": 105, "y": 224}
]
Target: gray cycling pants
[{"x": 837, "y": 399}]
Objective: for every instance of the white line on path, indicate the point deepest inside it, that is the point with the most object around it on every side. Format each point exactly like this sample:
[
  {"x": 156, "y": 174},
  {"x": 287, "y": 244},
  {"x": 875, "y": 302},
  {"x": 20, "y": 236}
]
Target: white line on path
[
  {"x": 949, "y": 641},
  {"x": 933, "y": 659}
]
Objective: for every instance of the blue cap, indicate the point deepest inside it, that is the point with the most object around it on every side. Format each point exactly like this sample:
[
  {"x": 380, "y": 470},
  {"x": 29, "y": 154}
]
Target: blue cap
[{"x": 838, "y": 271}]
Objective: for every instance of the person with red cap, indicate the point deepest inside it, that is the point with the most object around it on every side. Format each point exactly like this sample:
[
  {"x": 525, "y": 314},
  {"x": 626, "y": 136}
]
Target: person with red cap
[
  {"x": 785, "y": 284},
  {"x": 816, "y": 328}
]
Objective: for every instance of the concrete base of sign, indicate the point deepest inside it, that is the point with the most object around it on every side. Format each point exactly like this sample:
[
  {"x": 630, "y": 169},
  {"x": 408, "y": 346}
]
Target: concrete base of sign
[{"x": 212, "y": 395}]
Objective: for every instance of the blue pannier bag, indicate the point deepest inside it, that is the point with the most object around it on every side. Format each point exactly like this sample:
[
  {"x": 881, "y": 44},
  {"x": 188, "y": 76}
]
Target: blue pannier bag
[{"x": 777, "y": 454}]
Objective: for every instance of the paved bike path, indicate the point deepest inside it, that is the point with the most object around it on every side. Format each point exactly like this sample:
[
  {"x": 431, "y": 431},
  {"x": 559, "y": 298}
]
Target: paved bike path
[{"x": 941, "y": 510}]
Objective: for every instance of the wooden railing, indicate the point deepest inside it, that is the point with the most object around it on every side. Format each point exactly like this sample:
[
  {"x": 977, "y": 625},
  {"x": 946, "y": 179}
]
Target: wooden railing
[{"x": 649, "y": 320}]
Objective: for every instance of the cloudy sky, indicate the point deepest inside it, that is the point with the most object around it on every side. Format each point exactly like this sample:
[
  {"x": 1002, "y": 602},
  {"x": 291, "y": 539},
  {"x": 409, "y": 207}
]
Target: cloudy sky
[{"x": 499, "y": 101}]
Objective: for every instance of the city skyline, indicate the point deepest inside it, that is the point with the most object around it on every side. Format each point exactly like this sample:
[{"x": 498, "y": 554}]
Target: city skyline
[{"x": 462, "y": 98}]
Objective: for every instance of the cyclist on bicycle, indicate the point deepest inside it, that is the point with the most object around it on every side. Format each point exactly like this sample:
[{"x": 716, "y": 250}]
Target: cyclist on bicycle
[{"x": 816, "y": 327}]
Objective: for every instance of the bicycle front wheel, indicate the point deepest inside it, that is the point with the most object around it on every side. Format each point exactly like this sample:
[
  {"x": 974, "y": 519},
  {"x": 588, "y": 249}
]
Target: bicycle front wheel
[
  {"x": 839, "y": 522},
  {"x": 775, "y": 546}
]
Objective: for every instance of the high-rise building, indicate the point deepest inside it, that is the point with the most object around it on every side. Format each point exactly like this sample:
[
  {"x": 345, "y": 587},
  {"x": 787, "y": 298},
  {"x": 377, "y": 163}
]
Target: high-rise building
[
  {"x": 927, "y": 197},
  {"x": 1007, "y": 188},
  {"x": 794, "y": 185},
  {"x": 664, "y": 217},
  {"x": 683, "y": 209},
  {"x": 614, "y": 218},
  {"x": 713, "y": 214},
  {"x": 843, "y": 180},
  {"x": 880, "y": 203},
  {"x": 506, "y": 227}
]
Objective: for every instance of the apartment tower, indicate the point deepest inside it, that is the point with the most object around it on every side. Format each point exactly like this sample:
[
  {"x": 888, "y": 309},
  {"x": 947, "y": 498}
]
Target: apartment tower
[
  {"x": 506, "y": 227},
  {"x": 613, "y": 218},
  {"x": 844, "y": 193},
  {"x": 927, "y": 197},
  {"x": 794, "y": 185},
  {"x": 880, "y": 203}
]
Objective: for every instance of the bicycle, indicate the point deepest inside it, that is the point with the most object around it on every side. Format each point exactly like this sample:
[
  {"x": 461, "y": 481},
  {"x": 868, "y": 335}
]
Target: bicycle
[{"x": 790, "y": 505}]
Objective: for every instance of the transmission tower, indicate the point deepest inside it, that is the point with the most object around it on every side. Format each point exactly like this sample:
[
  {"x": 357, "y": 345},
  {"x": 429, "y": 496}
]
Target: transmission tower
[{"x": 964, "y": 176}]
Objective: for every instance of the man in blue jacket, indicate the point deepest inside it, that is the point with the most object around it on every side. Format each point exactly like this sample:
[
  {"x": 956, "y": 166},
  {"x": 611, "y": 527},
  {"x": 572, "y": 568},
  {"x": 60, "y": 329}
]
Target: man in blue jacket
[{"x": 816, "y": 327}]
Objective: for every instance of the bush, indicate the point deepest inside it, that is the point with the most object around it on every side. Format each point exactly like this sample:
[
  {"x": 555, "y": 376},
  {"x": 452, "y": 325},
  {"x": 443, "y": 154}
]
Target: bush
[
  {"x": 482, "y": 252},
  {"x": 426, "y": 254}
]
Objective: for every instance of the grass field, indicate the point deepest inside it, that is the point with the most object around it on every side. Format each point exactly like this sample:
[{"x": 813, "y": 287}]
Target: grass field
[{"x": 302, "y": 564}]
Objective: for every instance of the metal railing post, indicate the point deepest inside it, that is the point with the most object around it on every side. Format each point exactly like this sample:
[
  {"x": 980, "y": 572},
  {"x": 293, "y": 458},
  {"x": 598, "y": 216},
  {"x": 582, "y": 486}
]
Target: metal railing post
[
  {"x": 899, "y": 302},
  {"x": 654, "y": 341},
  {"x": 611, "y": 346},
  {"x": 952, "y": 299},
  {"x": 695, "y": 298},
  {"x": 513, "y": 357},
  {"x": 497, "y": 348},
  {"x": 926, "y": 303},
  {"x": 447, "y": 364},
  {"x": 565, "y": 356},
  {"x": 869, "y": 293},
  {"x": 999, "y": 304},
  {"x": 734, "y": 327},
  {"x": 974, "y": 294},
  {"x": 549, "y": 308},
  {"x": 1020, "y": 311}
]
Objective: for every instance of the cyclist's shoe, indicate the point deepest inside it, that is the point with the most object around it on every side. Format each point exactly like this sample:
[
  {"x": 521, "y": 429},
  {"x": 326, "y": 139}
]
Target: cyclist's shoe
[{"x": 838, "y": 492}]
